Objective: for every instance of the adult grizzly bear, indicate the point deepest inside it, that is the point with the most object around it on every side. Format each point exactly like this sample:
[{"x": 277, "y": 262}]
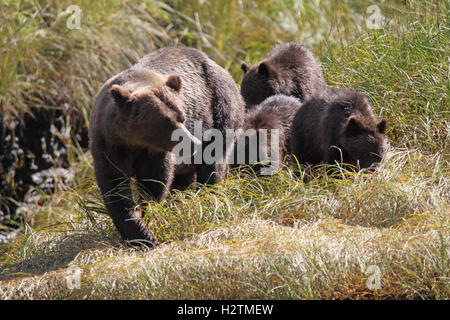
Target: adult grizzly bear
[
  {"x": 344, "y": 130},
  {"x": 274, "y": 116},
  {"x": 134, "y": 116},
  {"x": 289, "y": 69}
]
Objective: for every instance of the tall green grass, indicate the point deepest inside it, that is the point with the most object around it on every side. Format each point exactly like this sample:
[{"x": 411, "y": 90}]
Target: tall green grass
[
  {"x": 45, "y": 63},
  {"x": 404, "y": 69}
]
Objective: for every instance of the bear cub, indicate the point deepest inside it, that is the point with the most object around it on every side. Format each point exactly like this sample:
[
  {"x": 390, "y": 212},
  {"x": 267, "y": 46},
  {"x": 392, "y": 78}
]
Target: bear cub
[
  {"x": 274, "y": 113},
  {"x": 344, "y": 130},
  {"x": 131, "y": 126},
  {"x": 289, "y": 69}
]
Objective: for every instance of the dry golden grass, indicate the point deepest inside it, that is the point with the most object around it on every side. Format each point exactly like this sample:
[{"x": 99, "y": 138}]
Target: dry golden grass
[{"x": 277, "y": 237}]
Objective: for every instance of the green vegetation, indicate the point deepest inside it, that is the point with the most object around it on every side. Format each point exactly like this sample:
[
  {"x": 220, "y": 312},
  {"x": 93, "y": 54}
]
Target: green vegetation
[{"x": 286, "y": 236}]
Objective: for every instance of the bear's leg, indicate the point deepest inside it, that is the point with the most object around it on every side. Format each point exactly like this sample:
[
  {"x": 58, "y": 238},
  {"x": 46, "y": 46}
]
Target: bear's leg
[
  {"x": 184, "y": 181},
  {"x": 113, "y": 177},
  {"x": 334, "y": 154},
  {"x": 154, "y": 173},
  {"x": 210, "y": 173},
  {"x": 215, "y": 172},
  {"x": 206, "y": 173}
]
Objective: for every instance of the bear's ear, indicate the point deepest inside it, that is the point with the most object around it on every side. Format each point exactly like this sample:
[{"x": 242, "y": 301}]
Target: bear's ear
[
  {"x": 174, "y": 82},
  {"x": 353, "y": 126},
  {"x": 120, "y": 95},
  {"x": 245, "y": 67},
  {"x": 266, "y": 70},
  {"x": 382, "y": 126}
]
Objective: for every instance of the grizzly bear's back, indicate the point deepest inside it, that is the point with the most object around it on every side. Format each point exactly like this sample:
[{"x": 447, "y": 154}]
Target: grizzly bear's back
[
  {"x": 301, "y": 70},
  {"x": 202, "y": 82},
  {"x": 276, "y": 112}
]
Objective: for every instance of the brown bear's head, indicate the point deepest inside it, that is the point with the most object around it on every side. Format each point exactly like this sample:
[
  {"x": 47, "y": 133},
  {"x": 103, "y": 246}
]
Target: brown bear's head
[
  {"x": 256, "y": 138},
  {"x": 289, "y": 69},
  {"x": 363, "y": 142},
  {"x": 150, "y": 114},
  {"x": 258, "y": 83}
]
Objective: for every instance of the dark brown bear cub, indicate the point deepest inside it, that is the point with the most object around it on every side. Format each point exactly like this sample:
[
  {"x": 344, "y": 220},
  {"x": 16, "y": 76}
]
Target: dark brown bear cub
[
  {"x": 132, "y": 122},
  {"x": 289, "y": 69},
  {"x": 344, "y": 130},
  {"x": 272, "y": 117}
]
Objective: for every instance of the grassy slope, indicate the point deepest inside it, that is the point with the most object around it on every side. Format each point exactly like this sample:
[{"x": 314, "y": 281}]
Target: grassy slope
[{"x": 276, "y": 237}]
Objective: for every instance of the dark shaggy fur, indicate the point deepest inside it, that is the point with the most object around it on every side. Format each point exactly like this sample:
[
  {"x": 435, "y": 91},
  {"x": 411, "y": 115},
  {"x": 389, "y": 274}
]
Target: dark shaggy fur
[
  {"x": 274, "y": 113},
  {"x": 343, "y": 130},
  {"x": 289, "y": 69},
  {"x": 132, "y": 120}
]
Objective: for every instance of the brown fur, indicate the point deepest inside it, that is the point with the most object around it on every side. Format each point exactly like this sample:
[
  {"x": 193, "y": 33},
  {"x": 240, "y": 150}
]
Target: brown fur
[
  {"x": 344, "y": 130},
  {"x": 289, "y": 69},
  {"x": 275, "y": 112},
  {"x": 134, "y": 116}
]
